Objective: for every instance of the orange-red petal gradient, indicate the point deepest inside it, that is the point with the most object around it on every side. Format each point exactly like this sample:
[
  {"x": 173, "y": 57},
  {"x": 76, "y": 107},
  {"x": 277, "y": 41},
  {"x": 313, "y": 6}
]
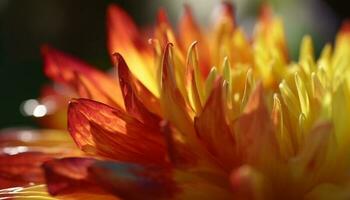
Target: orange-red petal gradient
[
  {"x": 256, "y": 135},
  {"x": 133, "y": 104},
  {"x": 124, "y": 38},
  {"x": 189, "y": 32},
  {"x": 70, "y": 175},
  {"x": 87, "y": 81},
  {"x": 22, "y": 169},
  {"x": 213, "y": 130},
  {"x": 110, "y": 132}
]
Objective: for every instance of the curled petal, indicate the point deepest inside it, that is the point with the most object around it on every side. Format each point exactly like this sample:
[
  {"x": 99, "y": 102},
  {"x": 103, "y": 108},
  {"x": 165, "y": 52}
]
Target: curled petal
[
  {"x": 105, "y": 131},
  {"x": 172, "y": 102}
]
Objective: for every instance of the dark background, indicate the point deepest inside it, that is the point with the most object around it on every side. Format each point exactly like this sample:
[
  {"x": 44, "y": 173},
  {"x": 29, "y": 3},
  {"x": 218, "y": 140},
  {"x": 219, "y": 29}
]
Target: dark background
[{"x": 74, "y": 26}]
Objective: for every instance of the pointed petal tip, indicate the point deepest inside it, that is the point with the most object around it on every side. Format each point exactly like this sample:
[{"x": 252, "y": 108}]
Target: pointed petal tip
[
  {"x": 227, "y": 9},
  {"x": 113, "y": 9},
  {"x": 345, "y": 26},
  {"x": 194, "y": 44},
  {"x": 169, "y": 45},
  {"x": 117, "y": 59},
  {"x": 162, "y": 16},
  {"x": 266, "y": 11},
  {"x": 44, "y": 48}
]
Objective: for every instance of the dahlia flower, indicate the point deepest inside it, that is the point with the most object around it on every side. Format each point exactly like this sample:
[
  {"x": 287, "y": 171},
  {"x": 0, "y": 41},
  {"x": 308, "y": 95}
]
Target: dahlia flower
[{"x": 193, "y": 114}]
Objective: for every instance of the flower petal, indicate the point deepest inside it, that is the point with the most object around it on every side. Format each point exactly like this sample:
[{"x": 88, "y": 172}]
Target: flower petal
[
  {"x": 105, "y": 131},
  {"x": 64, "y": 69},
  {"x": 124, "y": 38},
  {"x": 189, "y": 32},
  {"x": 248, "y": 184},
  {"x": 22, "y": 168},
  {"x": 130, "y": 181},
  {"x": 255, "y": 131},
  {"x": 133, "y": 105},
  {"x": 172, "y": 102},
  {"x": 213, "y": 130},
  {"x": 70, "y": 175}
]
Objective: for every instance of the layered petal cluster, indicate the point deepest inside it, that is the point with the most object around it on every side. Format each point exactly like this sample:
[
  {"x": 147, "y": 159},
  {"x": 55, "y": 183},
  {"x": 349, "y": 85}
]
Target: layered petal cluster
[{"x": 202, "y": 114}]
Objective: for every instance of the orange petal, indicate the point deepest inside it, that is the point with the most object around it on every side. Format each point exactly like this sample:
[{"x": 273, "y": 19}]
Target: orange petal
[
  {"x": 181, "y": 153},
  {"x": 123, "y": 33},
  {"x": 64, "y": 69},
  {"x": 271, "y": 32},
  {"x": 213, "y": 130},
  {"x": 189, "y": 32},
  {"x": 164, "y": 31},
  {"x": 222, "y": 34},
  {"x": 255, "y": 130},
  {"x": 133, "y": 105},
  {"x": 124, "y": 38},
  {"x": 105, "y": 131}
]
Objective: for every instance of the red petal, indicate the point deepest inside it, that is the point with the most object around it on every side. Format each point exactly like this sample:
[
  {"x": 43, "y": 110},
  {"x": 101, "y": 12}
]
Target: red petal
[
  {"x": 22, "y": 168},
  {"x": 70, "y": 175},
  {"x": 130, "y": 181},
  {"x": 101, "y": 130},
  {"x": 213, "y": 130},
  {"x": 64, "y": 69},
  {"x": 163, "y": 31},
  {"x": 189, "y": 32},
  {"x": 248, "y": 184}
]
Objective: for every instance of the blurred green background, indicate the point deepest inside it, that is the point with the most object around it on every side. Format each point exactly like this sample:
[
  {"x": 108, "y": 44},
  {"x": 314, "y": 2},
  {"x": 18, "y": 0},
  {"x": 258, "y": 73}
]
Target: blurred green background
[{"x": 78, "y": 27}]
